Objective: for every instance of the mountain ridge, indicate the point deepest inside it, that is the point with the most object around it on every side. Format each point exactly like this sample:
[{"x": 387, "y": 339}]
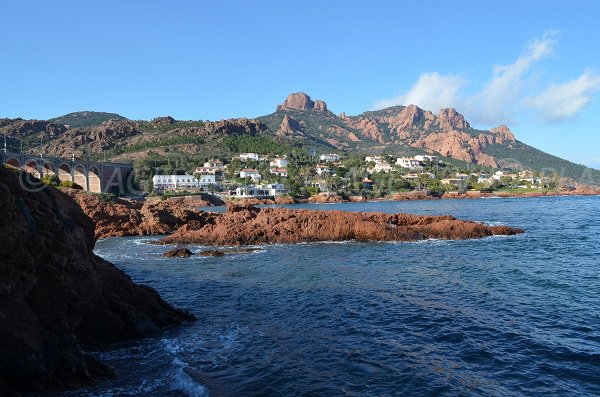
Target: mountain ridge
[{"x": 298, "y": 123}]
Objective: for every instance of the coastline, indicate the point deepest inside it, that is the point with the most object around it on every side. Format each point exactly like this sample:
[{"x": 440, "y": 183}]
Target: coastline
[{"x": 408, "y": 196}]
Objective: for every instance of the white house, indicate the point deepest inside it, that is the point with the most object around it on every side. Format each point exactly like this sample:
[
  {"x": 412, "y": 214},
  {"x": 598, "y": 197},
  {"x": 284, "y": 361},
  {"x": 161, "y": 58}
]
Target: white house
[
  {"x": 213, "y": 167},
  {"x": 498, "y": 175},
  {"x": 426, "y": 157},
  {"x": 374, "y": 159},
  {"x": 278, "y": 162},
  {"x": 250, "y": 173},
  {"x": 267, "y": 190},
  {"x": 383, "y": 166},
  {"x": 249, "y": 156},
  {"x": 329, "y": 157},
  {"x": 279, "y": 171},
  {"x": 408, "y": 162},
  {"x": 204, "y": 181},
  {"x": 174, "y": 182},
  {"x": 323, "y": 169}
]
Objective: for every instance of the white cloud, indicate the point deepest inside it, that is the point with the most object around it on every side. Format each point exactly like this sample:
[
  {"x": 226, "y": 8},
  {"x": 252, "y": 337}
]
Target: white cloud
[
  {"x": 498, "y": 98},
  {"x": 563, "y": 101},
  {"x": 508, "y": 93},
  {"x": 431, "y": 91}
]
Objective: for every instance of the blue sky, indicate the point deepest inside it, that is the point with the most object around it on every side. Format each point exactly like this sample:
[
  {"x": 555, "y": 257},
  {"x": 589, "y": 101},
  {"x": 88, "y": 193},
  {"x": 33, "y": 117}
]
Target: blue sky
[{"x": 533, "y": 65}]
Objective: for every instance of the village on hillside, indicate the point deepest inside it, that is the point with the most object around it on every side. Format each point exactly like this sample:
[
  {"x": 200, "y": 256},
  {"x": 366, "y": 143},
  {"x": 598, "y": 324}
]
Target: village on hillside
[{"x": 255, "y": 175}]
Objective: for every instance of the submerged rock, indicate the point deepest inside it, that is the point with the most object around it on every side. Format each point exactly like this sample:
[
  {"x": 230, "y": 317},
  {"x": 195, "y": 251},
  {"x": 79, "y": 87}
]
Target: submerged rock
[
  {"x": 179, "y": 252},
  {"x": 212, "y": 253},
  {"x": 248, "y": 225},
  {"x": 57, "y": 296}
]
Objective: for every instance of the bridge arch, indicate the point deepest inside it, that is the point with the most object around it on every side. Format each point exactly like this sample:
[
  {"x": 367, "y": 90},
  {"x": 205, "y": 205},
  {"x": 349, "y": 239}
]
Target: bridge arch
[
  {"x": 13, "y": 162},
  {"x": 48, "y": 168},
  {"x": 94, "y": 180},
  {"x": 79, "y": 176},
  {"x": 64, "y": 172},
  {"x": 31, "y": 166}
]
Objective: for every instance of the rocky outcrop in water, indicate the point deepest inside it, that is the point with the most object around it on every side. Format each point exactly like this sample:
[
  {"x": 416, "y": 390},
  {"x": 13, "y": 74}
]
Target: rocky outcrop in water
[
  {"x": 56, "y": 296},
  {"x": 120, "y": 218},
  {"x": 248, "y": 225}
]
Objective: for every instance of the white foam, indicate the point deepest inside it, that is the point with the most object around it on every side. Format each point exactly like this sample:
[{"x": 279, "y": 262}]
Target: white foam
[{"x": 182, "y": 382}]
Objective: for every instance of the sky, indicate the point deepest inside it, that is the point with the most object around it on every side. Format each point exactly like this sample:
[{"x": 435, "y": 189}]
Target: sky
[{"x": 532, "y": 65}]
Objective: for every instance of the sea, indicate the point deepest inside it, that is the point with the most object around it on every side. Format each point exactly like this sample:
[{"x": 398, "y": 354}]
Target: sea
[{"x": 498, "y": 316}]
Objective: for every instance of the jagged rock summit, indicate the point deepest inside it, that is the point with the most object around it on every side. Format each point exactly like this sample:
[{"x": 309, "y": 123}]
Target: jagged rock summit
[{"x": 301, "y": 101}]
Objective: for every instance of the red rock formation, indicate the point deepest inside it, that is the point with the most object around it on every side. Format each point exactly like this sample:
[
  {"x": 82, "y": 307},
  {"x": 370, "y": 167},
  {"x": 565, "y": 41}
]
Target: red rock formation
[
  {"x": 504, "y": 135},
  {"x": 56, "y": 296},
  {"x": 450, "y": 119},
  {"x": 120, "y": 218},
  {"x": 250, "y": 225},
  {"x": 301, "y": 101},
  {"x": 289, "y": 127}
]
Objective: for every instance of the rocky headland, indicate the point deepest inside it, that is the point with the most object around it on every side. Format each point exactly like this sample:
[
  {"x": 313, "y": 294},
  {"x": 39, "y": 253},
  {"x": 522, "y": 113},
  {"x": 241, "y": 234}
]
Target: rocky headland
[
  {"x": 57, "y": 297},
  {"x": 249, "y": 225}
]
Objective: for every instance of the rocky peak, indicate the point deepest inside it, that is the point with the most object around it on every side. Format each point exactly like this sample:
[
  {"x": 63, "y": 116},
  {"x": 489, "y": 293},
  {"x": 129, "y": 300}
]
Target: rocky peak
[
  {"x": 163, "y": 121},
  {"x": 301, "y": 101},
  {"x": 504, "y": 133},
  {"x": 288, "y": 126},
  {"x": 449, "y": 119}
]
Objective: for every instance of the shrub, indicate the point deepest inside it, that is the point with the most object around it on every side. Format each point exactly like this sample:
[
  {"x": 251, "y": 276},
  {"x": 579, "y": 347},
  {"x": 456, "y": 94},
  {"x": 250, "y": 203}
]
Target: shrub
[
  {"x": 50, "y": 180},
  {"x": 70, "y": 184}
]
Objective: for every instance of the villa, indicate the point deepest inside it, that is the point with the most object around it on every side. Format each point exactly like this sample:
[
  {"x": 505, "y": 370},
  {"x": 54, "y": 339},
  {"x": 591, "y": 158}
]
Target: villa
[
  {"x": 250, "y": 173},
  {"x": 267, "y": 190},
  {"x": 408, "y": 162},
  {"x": 278, "y": 162},
  {"x": 323, "y": 169},
  {"x": 175, "y": 182},
  {"x": 383, "y": 166},
  {"x": 426, "y": 158},
  {"x": 374, "y": 159},
  {"x": 279, "y": 171},
  {"x": 329, "y": 157}
]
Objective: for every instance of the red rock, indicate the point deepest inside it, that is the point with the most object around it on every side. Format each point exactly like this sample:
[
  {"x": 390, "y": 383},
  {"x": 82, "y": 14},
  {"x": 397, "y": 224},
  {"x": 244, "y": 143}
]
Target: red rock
[
  {"x": 56, "y": 296},
  {"x": 250, "y": 225},
  {"x": 178, "y": 252}
]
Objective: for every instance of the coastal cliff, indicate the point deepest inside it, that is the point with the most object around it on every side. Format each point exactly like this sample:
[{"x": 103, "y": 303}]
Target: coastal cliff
[
  {"x": 56, "y": 296},
  {"x": 248, "y": 225}
]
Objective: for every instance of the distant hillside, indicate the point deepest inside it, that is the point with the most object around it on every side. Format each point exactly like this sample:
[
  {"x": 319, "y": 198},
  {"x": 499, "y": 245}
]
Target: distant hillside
[
  {"x": 298, "y": 127},
  {"x": 85, "y": 119}
]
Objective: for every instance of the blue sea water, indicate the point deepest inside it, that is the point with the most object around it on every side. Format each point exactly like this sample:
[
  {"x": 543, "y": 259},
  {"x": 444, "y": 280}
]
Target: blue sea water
[{"x": 500, "y": 316}]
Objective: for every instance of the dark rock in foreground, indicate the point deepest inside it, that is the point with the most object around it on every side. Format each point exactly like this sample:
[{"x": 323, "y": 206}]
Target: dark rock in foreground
[
  {"x": 56, "y": 296},
  {"x": 248, "y": 225}
]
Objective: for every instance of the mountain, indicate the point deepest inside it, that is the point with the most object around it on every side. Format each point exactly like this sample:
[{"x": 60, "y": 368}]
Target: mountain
[
  {"x": 299, "y": 125},
  {"x": 86, "y": 119},
  {"x": 402, "y": 130}
]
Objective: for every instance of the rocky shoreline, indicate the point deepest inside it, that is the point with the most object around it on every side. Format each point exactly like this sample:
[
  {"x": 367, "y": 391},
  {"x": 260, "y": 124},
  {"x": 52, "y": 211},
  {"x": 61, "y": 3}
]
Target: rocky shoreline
[
  {"x": 249, "y": 225},
  {"x": 57, "y": 298}
]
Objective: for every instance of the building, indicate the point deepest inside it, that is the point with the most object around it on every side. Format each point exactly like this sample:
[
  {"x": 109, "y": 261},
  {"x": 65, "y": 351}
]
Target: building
[
  {"x": 211, "y": 167},
  {"x": 175, "y": 182},
  {"x": 279, "y": 171},
  {"x": 250, "y": 173},
  {"x": 323, "y": 169},
  {"x": 278, "y": 162},
  {"x": 462, "y": 177},
  {"x": 452, "y": 181},
  {"x": 204, "y": 181},
  {"x": 408, "y": 162},
  {"x": 329, "y": 157},
  {"x": 267, "y": 190},
  {"x": 383, "y": 166},
  {"x": 374, "y": 159},
  {"x": 426, "y": 158},
  {"x": 249, "y": 156}
]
